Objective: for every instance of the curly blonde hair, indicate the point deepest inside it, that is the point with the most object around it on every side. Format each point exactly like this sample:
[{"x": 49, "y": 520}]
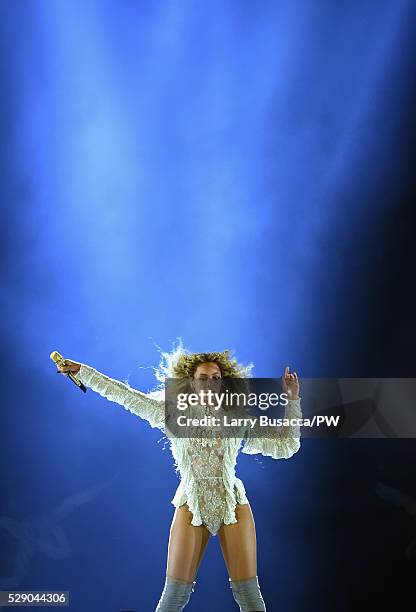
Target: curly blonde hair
[{"x": 181, "y": 363}]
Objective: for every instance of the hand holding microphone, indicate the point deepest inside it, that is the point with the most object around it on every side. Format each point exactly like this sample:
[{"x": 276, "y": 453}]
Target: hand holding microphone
[{"x": 68, "y": 367}]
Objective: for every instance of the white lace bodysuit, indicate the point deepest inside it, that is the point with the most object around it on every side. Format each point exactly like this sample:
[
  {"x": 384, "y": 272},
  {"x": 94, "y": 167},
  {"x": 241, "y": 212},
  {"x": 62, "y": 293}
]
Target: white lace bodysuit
[{"x": 206, "y": 465}]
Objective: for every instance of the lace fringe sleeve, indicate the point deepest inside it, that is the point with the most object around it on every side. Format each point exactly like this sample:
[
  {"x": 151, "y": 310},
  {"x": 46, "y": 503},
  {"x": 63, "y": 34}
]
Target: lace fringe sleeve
[
  {"x": 278, "y": 442},
  {"x": 140, "y": 404}
]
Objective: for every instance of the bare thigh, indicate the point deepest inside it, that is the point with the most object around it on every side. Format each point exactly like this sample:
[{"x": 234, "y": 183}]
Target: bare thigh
[
  {"x": 187, "y": 544},
  {"x": 239, "y": 545}
]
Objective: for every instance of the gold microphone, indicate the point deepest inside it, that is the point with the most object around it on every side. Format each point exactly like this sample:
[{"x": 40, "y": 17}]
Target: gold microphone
[{"x": 58, "y": 359}]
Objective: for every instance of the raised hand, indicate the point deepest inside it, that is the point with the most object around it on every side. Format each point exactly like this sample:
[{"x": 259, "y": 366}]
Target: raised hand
[
  {"x": 66, "y": 365},
  {"x": 290, "y": 384}
]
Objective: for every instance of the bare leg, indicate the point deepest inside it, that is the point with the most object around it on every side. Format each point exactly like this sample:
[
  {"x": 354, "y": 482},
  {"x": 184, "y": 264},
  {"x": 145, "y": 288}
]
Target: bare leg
[
  {"x": 239, "y": 548},
  {"x": 239, "y": 545},
  {"x": 187, "y": 545},
  {"x": 185, "y": 551}
]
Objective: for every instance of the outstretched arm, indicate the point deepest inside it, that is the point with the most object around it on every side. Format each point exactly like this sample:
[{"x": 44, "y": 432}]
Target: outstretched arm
[
  {"x": 279, "y": 442},
  {"x": 137, "y": 402}
]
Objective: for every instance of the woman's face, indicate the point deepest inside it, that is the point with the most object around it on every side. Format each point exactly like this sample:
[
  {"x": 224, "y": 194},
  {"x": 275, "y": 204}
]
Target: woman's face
[{"x": 207, "y": 376}]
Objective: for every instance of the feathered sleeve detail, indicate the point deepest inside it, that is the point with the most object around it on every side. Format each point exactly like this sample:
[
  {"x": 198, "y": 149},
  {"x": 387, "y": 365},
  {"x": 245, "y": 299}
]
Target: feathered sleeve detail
[
  {"x": 137, "y": 402},
  {"x": 279, "y": 442}
]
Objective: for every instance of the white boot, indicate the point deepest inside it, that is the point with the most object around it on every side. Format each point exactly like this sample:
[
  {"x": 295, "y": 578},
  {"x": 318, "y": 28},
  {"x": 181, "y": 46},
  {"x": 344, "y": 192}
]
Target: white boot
[
  {"x": 175, "y": 595},
  {"x": 247, "y": 594}
]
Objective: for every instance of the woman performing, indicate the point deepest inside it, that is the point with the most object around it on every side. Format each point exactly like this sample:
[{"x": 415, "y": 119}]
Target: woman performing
[{"x": 210, "y": 499}]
